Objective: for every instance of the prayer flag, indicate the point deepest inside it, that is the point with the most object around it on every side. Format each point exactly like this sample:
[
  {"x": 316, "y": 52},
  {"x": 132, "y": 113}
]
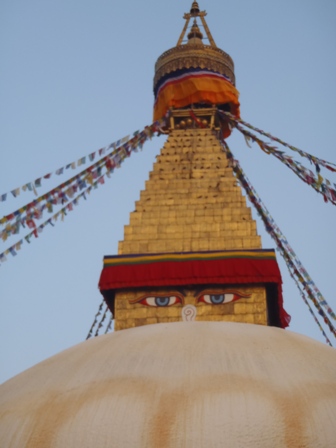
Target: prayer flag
[
  {"x": 12, "y": 251},
  {"x": 70, "y": 192},
  {"x": 15, "y": 192},
  {"x": 30, "y": 223},
  {"x": 16, "y": 228},
  {"x": 81, "y": 161},
  {"x": 82, "y": 184},
  {"x": 89, "y": 178}
]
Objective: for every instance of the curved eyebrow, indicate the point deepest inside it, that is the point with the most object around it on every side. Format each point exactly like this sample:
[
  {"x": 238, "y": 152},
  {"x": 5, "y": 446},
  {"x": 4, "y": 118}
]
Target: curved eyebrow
[
  {"x": 158, "y": 294},
  {"x": 222, "y": 291}
]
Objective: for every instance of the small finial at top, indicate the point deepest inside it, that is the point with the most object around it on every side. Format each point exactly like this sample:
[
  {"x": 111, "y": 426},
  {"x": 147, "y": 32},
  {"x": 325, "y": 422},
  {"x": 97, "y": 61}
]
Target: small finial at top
[
  {"x": 194, "y": 9},
  {"x": 194, "y": 13}
]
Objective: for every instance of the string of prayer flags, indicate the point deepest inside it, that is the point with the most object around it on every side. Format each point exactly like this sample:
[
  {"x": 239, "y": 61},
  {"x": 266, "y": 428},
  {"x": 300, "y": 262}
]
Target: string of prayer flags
[
  {"x": 293, "y": 263},
  {"x": 101, "y": 323},
  {"x": 36, "y": 230},
  {"x": 316, "y": 181},
  {"x": 37, "y": 183},
  {"x": 287, "y": 249},
  {"x": 321, "y": 185},
  {"x": 109, "y": 325},
  {"x": 313, "y": 159},
  {"x": 61, "y": 194},
  {"x": 310, "y": 309},
  {"x": 95, "y": 319}
]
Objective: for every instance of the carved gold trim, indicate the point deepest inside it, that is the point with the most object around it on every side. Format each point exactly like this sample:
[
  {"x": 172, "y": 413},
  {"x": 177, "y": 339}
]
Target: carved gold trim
[{"x": 197, "y": 56}]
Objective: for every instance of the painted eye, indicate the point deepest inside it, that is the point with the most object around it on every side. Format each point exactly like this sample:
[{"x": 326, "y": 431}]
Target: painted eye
[
  {"x": 160, "y": 301},
  {"x": 218, "y": 299}
]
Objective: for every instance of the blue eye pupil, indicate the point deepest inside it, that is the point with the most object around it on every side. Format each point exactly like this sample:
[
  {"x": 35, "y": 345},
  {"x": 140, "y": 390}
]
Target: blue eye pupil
[
  {"x": 162, "y": 301},
  {"x": 217, "y": 298}
]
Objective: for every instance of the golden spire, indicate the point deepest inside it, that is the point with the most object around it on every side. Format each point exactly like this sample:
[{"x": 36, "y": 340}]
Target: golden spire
[
  {"x": 191, "y": 205},
  {"x": 195, "y": 12}
]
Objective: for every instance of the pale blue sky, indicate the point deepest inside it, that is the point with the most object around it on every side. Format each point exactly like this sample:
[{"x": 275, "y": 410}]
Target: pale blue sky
[{"x": 77, "y": 75}]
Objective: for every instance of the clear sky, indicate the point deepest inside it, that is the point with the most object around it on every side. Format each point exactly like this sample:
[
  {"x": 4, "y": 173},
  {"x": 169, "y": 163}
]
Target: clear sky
[{"x": 77, "y": 75}]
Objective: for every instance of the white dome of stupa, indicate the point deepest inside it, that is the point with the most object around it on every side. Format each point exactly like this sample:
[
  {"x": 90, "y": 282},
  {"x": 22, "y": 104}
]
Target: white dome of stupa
[{"x": 177, "y": 385}]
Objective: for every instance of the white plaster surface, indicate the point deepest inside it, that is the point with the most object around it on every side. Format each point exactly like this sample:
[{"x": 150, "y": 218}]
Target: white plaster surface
[{"x": 177, "y": 385}]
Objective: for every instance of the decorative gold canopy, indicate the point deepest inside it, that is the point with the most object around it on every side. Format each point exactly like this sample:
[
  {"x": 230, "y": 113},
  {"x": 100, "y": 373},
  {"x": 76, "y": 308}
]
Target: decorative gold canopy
[{"x": 194, "y": 53}]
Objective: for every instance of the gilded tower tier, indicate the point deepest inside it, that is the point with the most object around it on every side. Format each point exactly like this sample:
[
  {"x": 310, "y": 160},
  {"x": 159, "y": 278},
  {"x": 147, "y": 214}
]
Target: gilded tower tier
[{"x": 191, "y": 201}]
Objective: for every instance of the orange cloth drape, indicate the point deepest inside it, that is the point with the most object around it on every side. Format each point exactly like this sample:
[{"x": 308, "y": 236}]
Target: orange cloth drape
[{"x": 198, "y": 88}]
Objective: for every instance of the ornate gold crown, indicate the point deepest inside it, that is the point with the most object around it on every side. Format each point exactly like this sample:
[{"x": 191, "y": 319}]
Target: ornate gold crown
[{"x": 194, "y": 53}]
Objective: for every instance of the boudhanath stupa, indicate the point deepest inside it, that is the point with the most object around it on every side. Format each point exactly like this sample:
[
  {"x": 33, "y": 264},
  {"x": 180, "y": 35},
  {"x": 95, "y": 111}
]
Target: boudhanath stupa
[{"x": 200, "y": 355}]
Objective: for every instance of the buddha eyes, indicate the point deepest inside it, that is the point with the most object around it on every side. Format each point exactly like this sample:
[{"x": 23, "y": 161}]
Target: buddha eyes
[
  {"x": 159, "y": 301},
  {"x": 218, "y": 299},
  {"x": 209, "y": 297}
]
